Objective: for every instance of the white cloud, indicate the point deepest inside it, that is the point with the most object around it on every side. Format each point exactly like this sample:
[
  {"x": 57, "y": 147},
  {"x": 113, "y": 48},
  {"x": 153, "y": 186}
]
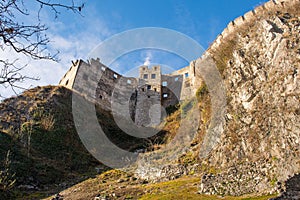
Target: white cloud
[
  {"x": 48, "y": 72},
  {"x": 60, "y": 42},
  {"x": 148, "y": 58},
  {"x": 71, "y": 45}
]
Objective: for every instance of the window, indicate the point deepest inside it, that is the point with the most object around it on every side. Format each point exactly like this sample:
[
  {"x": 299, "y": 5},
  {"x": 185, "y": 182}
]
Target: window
[
  {"x": 145, "y": 76},
  {"x": 155, "y": 68},
  {"x": 176, "y": 79},
  {"x": 100, "y": 96},
  {"x": 153, "y": 76},
  {"x": 143, "y": 89},
  {"x": 186, "y": 75},
  {"x": 148, "y": 87},
  {"x": 164, "y": 83},
  {"x": 103, "y": 68},
  {"x": 155, "y": 89},
  {"x": 148, "y": 97},
  {"x": 67, "y": 82},
  {"x": 165, "y": 95},
  {"x": 115, "y": 75},
  {"x": 129, "y": 81}
]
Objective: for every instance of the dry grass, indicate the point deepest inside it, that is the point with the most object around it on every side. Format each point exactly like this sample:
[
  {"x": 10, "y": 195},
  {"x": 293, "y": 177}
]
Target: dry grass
[
  {"x": 118, "y": 185},
  {"x": 47, "y": 122}
]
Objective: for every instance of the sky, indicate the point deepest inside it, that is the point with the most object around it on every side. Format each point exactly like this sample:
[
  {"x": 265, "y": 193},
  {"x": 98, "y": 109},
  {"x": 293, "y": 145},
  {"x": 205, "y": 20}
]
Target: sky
[{"x": 75, "y": 36}]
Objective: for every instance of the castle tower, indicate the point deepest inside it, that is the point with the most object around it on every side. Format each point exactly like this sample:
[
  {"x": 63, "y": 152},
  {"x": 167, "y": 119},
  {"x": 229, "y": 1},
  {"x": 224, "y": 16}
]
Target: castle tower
[
  {"x": 148, "y": 107},
  {"x": 150, "y": 77}
]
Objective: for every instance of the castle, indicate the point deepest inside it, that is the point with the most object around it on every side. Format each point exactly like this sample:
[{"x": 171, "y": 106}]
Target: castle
[{"x": 143, "y": 96}]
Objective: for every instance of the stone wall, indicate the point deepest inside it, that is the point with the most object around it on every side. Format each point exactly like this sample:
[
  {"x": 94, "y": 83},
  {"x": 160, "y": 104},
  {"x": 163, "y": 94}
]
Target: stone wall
[
  {"x": 189, "y": 81},
  {"x": 151, "y": 77},
  {"x": 69, "y": 77},
  {"x": 138, "y": 98},
  {"x": 171, "y": 89},
  {"x": 148, "y": 103},
  {"x": 270, "y": 6},
  {"x": 148, "y": 108}
]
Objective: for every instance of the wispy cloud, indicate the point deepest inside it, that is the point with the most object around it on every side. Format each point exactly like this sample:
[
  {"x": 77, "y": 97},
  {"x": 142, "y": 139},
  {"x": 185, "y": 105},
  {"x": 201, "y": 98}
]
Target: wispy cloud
[
  {"x": 70, "y": 45},
  {"x": 148, "y": 58}
]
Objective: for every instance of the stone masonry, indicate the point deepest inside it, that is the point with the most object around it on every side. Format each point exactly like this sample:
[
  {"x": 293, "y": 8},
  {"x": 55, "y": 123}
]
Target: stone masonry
[{"x": 143, "y": 98}]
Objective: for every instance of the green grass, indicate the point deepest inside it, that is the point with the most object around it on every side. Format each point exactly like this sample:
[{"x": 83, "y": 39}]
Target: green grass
[{"x": 186, "y": 188}]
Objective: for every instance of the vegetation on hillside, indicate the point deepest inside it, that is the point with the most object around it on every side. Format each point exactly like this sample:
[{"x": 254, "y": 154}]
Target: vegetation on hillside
[{"x": 46, "y": 154}]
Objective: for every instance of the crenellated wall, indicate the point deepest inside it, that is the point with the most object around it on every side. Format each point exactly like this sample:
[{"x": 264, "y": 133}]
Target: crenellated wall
[{"x": 270, "y": 6}]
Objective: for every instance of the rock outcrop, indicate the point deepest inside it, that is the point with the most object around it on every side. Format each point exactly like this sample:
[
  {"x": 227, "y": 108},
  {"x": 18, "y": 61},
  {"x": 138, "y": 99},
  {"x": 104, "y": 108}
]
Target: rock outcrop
[{"x": 260, "y": 146}]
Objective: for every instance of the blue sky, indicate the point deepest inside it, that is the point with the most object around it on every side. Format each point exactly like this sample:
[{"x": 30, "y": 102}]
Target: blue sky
[
  {"x": 201, "y": 20},
  {"x": 75, "y": 36}
]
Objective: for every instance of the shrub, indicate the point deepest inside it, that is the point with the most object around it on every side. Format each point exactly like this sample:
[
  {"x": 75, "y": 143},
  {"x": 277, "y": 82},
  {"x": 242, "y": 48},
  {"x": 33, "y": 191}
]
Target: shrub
[
  {"x": 201, "y": 92},
  {"x": 172, "y": 108},
  {"x": 186, "y": 106},
  {"x": 46, "y": 120}
]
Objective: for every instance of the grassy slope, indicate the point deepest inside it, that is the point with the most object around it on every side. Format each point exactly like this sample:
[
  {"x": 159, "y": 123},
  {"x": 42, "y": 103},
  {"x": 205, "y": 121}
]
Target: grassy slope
[
  {"x": 55, "y": 154},
  {"x": 118, "y": 185}
]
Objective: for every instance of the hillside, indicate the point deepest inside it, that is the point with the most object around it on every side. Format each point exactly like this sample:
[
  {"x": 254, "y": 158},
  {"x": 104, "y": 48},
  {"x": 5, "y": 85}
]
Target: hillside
[{"x": 46, "y": 152}]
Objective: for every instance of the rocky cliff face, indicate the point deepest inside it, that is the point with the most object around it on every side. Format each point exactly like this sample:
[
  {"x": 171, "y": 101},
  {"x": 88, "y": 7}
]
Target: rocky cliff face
[{"x": 260, "y": 147}]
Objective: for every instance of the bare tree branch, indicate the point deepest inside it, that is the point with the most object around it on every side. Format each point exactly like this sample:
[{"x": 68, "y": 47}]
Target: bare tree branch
[
  {"x": 10, "y": 75},
  {"x": 27, "y": 39}
]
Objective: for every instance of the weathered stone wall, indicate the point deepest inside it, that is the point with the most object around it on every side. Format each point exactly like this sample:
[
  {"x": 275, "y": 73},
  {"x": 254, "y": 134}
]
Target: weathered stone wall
[
  {"x": 171, "y": 89},
  {"x": 189, "y": 81},
  {"x": 148, "y": 108},
  {"x": 151, "y": 76},
  {"x": 110, "y": 85},
  {"x": 270, "y": 6},
  {"x": 138, "y": 98},
  {"x": 148, "y": 104},
  {"x": 69, "y": 77}
]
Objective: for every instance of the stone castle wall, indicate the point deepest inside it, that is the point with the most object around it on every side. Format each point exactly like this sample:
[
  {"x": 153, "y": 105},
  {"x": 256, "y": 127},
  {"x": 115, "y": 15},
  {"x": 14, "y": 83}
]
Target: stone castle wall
[
  {"x": 269, "y": 6},
  {"x": 148, "y": 102},
  {"x": 142, "y": 96},
  {"x": 69, "y": 77}
]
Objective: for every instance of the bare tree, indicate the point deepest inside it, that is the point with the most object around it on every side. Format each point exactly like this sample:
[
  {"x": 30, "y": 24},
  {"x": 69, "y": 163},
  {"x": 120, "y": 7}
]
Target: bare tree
[{"x": 28, "y": 39}]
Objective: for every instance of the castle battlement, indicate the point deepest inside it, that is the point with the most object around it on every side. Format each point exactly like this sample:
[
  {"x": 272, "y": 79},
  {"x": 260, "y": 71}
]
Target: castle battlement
[{"x": 270, "y": 6}]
